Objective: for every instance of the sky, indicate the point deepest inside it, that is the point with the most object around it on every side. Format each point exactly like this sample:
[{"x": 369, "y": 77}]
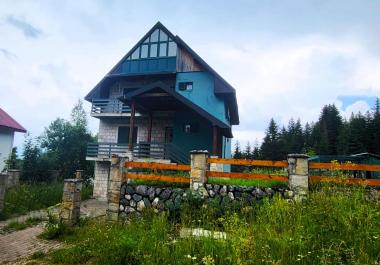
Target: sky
[{"x": 284, "y": 58}]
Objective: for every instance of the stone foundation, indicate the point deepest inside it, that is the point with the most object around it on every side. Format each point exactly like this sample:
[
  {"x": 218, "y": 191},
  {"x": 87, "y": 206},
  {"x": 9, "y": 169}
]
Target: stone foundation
[{"x": 134, "y": 199}]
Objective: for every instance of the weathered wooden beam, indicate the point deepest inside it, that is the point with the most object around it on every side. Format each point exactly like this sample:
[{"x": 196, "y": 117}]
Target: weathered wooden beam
[
  {"x": 152, "y": 165},
  {"x": 247, "y": 162},
  {"x": 131, "y": 125},
  {"x": 215, "y": 140},
  {"x": 150, "y": 127}
]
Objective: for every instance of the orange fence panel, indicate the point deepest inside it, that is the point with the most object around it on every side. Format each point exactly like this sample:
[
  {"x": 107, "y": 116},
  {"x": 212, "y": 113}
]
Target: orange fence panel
[
  {"x": 368, "y": 182},
  {"x": 153, "y": 177},
  {"x": 333, "y": 166},
  {"x": 246, "y": 162},
  {"x": 238, "y": 175},
  {"x": 152, "y": 165}
]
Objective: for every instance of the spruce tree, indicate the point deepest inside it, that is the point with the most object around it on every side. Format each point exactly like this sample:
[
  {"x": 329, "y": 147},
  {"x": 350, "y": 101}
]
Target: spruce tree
[{"x": 271, "y": 144}]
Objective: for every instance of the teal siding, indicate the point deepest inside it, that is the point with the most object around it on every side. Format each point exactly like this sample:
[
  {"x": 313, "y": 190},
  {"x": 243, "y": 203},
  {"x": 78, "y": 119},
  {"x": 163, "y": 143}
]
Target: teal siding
[
  {"x": 226, "y": 153},
  {"x": 200, "y": 140},
  {"x": 203, "y": 93},
  {"x": 143, "y": 66}
]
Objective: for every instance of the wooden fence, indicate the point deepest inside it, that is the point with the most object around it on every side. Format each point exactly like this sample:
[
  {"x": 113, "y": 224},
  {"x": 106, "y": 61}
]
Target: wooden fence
[{"x": 155, "y": 176}]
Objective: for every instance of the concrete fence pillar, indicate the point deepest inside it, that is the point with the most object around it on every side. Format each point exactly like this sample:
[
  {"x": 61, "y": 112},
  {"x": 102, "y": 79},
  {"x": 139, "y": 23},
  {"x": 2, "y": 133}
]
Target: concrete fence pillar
[
  {"x": 71, "y": 200},
  {"x": 13, "y": 177},
  {"x": 298, "y": 170},
  {"x": 3, "y": 188},
  {"x": 198, "y": 169},
  {"x": 79, "y": 174},
  {"x": 117, "y": 177}
]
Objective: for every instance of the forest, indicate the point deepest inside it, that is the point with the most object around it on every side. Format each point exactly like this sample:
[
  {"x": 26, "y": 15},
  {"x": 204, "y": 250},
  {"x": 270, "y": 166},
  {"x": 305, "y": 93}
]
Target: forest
[{"x": 330, "y": 135}]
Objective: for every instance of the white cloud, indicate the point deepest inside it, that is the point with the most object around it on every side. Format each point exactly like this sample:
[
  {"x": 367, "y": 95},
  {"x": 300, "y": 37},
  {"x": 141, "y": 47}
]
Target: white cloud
[{"x": 359, "y": 106}]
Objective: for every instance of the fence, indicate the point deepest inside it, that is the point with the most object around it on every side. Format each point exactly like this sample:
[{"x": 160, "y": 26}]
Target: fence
[{"x": 297, "y": 168}]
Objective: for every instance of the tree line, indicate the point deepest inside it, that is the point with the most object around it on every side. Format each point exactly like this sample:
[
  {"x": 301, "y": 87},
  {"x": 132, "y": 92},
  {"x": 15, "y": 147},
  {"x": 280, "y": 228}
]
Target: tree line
[
  {"x": 62, "y": 146},
  {"x": 330, "y": 135}
]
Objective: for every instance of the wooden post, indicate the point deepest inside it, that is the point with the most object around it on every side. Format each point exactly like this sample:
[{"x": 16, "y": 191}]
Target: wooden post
[
  {"x": 215, "y": 140},
  {"x": 131, "y": 125},
  {"x": 150, "y": 127}
]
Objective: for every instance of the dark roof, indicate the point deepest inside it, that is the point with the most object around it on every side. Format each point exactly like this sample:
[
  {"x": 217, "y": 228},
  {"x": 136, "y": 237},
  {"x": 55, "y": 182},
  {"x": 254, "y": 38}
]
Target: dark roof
[
  {"x": 8, "y": 121},
  {"x": 165, "y": 87},
  {"x": 222, "y": 87}
]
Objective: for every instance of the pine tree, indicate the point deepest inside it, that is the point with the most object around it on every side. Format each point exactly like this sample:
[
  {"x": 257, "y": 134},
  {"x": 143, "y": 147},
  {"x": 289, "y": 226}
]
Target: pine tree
[
  {"x": 237, "y": 152},
  {"x": 247, "y": 152},
  {"x": 271, "y": 144},
  {"x": 256, "y": 150}
]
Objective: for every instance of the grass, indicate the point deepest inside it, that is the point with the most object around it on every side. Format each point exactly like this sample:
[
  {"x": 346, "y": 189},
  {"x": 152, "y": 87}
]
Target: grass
[
  {"x": 29, "y": 197},
  {"x": 333, "y": 226},
  {"x": 16, "y": 226},
  {"x": 247, "y": 182}
]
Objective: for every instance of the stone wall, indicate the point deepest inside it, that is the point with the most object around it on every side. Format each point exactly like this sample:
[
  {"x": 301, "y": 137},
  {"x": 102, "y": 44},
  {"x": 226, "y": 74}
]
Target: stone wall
[{"x": 134, "y": 199}]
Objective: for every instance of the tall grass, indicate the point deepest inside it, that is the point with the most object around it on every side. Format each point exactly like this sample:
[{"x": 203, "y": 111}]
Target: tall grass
[
  {"x": 29, "y": 197},
  {"x": 334, "y": 226}
]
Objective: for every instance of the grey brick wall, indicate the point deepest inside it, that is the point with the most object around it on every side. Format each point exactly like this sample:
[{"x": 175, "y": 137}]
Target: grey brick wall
[{"x": 101, "y": 180}]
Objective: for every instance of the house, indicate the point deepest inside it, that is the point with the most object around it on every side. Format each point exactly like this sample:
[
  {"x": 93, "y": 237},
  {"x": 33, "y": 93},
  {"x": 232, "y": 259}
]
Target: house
[
  {"x": 160, "y": 101},
  {"x": 8, "y": 127}
]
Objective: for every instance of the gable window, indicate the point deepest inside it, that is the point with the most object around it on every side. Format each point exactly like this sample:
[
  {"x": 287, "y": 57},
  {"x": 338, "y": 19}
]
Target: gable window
[
  {"x": 158, "y": 44},
  {"x": 185, "y": 86}
]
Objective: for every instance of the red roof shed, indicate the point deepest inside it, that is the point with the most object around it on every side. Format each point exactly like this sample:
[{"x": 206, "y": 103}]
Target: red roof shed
[{"x": 8, "y": 121}]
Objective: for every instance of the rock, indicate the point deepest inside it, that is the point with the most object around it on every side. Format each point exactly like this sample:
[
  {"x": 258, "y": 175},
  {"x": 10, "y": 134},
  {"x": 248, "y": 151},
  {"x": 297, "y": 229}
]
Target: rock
[
  {"x": 231, "y": 188},
  {"x": 248, "y": 197},
  {"x": 151, "y": 193},
  {"x": 132, "y": 203},
  {"x": 147, "y": 202},
  {"x": 129, "y": 209},
  {"x": 258, "y": 193},
  {"x": 269, "y": 192},
  {"x": 128, "y": 196},
  {"x": 129, "y": 189},
  {"x": 123, "y": 215},
  {"x": 121, "y": 208},
  {"x": 223, "y": 190},
  {"x": 165, "y": 194},
  {"x": 158, "y": 191},
  {"x": 169, "y": 204},
  {"x": 231, "y": 195},
  {"x": 211, "y": 193},
  {"x": 141, "y": 189},
  {"x": 123, "y": 201},
  {"x": 289, "y": 194},
  {"x": 177, "y": 201},
  {"x": 216, "y": 188},
  {"x": 140, "y": 206},
  {"x": 137, "y": 197},
  {"x": 208, "y": 186},
  {"x": 239, "y": 189},
  {"x": 237, "y": 194},
  {"x": 123, "y": 190},
  {"x": 155, "y": 202}
]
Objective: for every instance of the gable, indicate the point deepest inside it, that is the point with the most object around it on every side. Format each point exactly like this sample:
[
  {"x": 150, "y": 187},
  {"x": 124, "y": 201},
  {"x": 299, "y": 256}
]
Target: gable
[{"x": 155, "y": 52}]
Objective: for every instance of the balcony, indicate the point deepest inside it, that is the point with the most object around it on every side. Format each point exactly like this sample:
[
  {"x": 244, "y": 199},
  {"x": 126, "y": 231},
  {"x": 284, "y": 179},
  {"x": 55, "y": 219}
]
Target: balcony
[
  {"x": 142, "y": 150},
  {"x": 109, "y": 108}
]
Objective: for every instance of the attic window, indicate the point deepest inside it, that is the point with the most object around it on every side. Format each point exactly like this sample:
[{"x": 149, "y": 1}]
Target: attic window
[
  {"x": 158, "y": 44},
  {"x": 185, "y": 86}
]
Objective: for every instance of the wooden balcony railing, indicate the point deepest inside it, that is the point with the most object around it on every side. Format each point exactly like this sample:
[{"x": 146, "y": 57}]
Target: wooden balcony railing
[{"x": 109, "y": 106}]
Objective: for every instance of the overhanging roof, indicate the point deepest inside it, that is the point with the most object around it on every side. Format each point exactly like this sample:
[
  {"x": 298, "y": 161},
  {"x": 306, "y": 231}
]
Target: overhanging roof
[
  {"x": 127, "y": 98},
  {"x": 7, "y": 121}
]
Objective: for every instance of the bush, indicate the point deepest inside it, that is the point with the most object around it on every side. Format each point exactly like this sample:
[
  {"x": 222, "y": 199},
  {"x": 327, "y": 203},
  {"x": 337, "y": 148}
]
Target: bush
[{"x": 53, "y": 228}]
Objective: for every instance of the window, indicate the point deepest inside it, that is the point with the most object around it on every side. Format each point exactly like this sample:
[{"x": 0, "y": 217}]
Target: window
[
  {"x": 123, "y": 135},
  {"x": 153, "y": 50},
  {"x": 190, "y": 128},
  {"x": 158, "y": 44},
  {"x": 185, "y": 86},
  {"x": 144, "y": 51}
]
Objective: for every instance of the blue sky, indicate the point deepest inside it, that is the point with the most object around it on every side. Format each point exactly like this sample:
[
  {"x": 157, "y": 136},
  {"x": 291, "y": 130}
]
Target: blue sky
[{"x": 285, "y": 58}]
